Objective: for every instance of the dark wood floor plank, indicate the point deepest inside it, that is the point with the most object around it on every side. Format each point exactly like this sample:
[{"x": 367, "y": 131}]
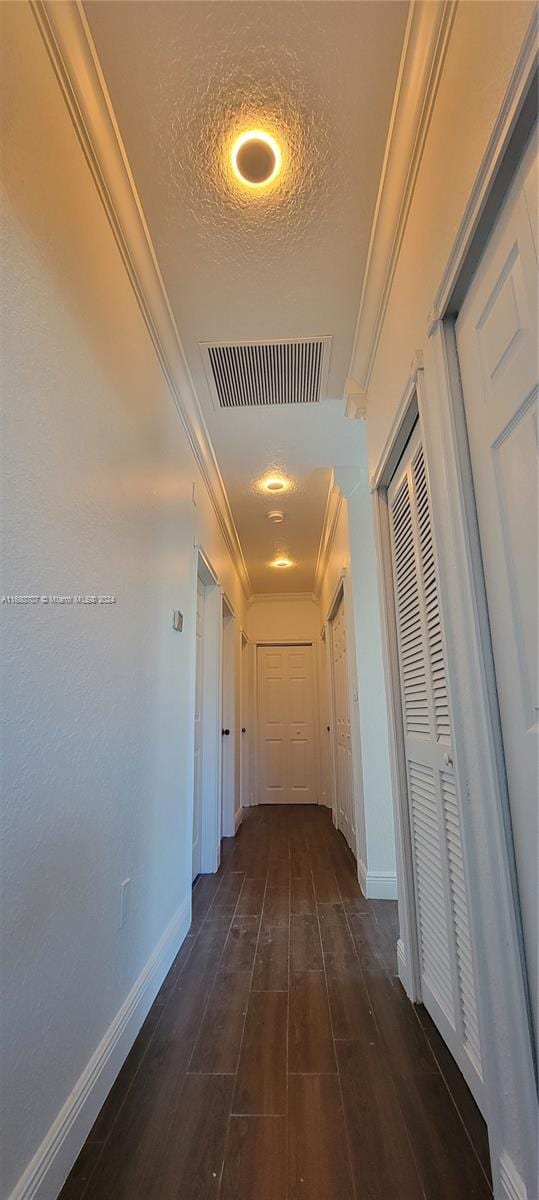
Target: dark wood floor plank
[
  {"x": 405, "y": 1040},
  {"x": 326, "y": 888},
  {"x": 305, "y": 945},
  {"x": 240, "y": 947},
  {"x": 192, "y": 1157},
  {"x": 276, "y": 909},
  {"x": 226, "y": 899},
  {"x": 382, "y": 1161},
  {"x": 218, "y": 1044},
  {"x": 251, "y": 898},
  {"x": 271, "y": 962},
  {"x": 445, "y": 1163},
  {"x": 462, "y": 1097},
  {"x": 255, "y": 1159},
  {"x": 302, "y": 901},
  {"x": 261, "y": 1076},
  {"x": 310, "y": 1038},
  {"x": 349, "y": 1002},
  {"x": 318, "y": 1163}
]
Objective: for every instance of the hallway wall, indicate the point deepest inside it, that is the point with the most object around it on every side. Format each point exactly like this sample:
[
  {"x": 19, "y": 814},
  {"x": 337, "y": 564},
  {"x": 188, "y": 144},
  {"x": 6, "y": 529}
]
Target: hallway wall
[
  {"x": 98, "y": 756},
  {"x": 286, "y": 617}
]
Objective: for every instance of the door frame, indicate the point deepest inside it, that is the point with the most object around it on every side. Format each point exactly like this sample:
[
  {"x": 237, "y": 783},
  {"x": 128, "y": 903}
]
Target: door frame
[
  {"x": 210, "y": 850},
  {"x": 255, "y": 760},
  {"x": 343, "y": 592},
  {"x": 228, "y": 789},
  {"x": 503, "y": 1010}
]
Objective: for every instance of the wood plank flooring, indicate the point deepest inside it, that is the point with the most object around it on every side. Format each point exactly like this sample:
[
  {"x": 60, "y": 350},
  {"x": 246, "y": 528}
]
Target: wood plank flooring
[{"x": 281, "y": 1059}]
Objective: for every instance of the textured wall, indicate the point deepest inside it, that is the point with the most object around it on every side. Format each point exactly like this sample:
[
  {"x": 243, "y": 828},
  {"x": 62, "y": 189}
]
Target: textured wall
[{"x": 97, "y": 763}]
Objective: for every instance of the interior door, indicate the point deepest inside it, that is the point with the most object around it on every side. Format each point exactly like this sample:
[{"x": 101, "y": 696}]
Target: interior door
[
  {"x": 497, "y": 346},
  {"x": 286, "y": 772},
  {"x": 441, "y": 896},
  {"x": 199, "y": 727},
  {"x": 342, "y": 732}
]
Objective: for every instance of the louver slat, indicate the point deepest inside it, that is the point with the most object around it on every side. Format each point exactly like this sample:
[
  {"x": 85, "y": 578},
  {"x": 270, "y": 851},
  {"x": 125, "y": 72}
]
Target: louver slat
[
  {"x": 414, "y": 685},
  {"x": 252, "y": 374},
  {"x": 460, "y": 920},
  {"x": 434, "y": 946},
  {"x": 432, "y": 609}
]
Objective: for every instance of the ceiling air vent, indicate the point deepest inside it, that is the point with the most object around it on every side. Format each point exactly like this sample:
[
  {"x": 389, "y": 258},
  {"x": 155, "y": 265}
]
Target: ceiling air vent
[{"x": 250, "y": 374}]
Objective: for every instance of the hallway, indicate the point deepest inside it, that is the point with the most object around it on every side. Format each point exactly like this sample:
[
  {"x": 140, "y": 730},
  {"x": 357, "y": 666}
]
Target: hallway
[{"x": 246, "y": 1084}]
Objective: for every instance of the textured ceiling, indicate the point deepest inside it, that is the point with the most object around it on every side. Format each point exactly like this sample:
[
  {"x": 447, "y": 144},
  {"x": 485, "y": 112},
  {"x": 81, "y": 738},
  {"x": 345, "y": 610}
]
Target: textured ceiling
[{"x": 283, "y": 262}]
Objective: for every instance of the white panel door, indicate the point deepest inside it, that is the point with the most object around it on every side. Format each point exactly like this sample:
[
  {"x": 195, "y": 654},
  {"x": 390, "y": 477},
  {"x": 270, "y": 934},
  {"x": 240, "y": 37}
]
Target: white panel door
[
  {"x": 199, "y": 727},
  {"x": 497, "y": 347},
  {"x": 342, "y": 732},
  {"x": 286, "y": 767},
  {"x": 441, "y": 894}
]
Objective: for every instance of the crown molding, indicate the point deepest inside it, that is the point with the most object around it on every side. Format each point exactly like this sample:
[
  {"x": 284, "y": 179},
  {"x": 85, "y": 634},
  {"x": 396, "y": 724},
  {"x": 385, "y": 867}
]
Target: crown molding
[
  {"x": 356, "y": 400},
  {"x": 280, "y": 597},
  {"x": 69, "y": 43},
  {"x": 329, "y": 525},
  {"x": 426, "y": 39}
]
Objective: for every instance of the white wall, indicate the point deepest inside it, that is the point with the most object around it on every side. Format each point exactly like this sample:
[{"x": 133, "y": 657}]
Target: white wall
[
  {"x": 287, "y": 618},
  {"x": 97, "y": 762},
  {"x": 353, "y": 551}
]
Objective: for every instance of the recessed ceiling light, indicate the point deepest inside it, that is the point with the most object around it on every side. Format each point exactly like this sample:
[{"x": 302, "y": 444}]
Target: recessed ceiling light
[
  {"x": 256, "y": 158},
  {"x": 282, "y": 562},
  {"x": 276, "y": 516},
  {"x": 275, "y": 483}
]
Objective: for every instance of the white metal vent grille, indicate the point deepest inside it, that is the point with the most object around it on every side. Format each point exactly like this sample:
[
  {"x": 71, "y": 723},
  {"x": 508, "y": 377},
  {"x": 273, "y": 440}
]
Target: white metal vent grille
[{"x": 254, "y": 374}]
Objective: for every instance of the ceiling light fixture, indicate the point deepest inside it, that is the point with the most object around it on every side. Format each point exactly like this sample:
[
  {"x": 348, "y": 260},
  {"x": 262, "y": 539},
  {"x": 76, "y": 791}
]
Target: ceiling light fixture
[
  {"x": 282, "y": 562},
  {"x": 256, "y": 158},
  {"x": 276, "y": 516},
  {"x": 275, "y": 483}
]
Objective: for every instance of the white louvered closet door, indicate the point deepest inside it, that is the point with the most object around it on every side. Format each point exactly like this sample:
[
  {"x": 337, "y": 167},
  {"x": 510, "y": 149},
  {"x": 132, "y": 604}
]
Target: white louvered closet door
[{"x": 447, "y": 975}]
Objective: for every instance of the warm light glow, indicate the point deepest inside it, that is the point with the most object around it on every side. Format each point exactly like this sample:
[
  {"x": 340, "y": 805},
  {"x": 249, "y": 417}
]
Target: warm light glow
[
  {"x": 282, "y": 562},
  {"x": 275, "y": 483},
  {"x": 256, "y": 158}
]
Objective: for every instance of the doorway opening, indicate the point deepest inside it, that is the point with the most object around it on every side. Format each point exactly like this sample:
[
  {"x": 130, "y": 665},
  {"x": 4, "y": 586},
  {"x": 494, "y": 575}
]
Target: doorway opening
[
  {"x": 230, "y": 810},
  {"x": 207, "y": 718}
]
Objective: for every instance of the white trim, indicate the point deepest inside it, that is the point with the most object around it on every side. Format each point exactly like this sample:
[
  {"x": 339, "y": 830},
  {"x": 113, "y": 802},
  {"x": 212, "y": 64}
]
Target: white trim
[
  {"x": 210, "y": 850},
  {"x": 381, "y": 885},
  {"x": 512, "y": 1186},
  {"x": 238, "y": 817},
  {"x": 69, "y": 43},
  {"x": 508, "y": 1069},
  {"x": 362, "y": 876},
  {"x": 400, "y": 429},
  {"x": 329, "y": 527},
  {"x": 402, "y": 966},
  {"x": 515, "y": 95},
  {"x": 425, "y": 43},
  {"x": 279, "y": 597},
  {"x": 52, "y": 1162}
]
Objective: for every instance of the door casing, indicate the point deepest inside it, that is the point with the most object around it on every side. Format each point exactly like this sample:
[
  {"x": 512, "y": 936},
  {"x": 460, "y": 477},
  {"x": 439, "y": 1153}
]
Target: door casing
[{"x": 509, "y": 1067}]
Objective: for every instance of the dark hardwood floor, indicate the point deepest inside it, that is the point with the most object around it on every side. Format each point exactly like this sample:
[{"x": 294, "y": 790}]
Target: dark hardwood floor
[{"x": 281, "y": 1059}]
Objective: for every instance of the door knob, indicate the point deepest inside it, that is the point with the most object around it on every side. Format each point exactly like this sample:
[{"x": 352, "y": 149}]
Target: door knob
[
  {"x": 448, "y": 759},
  {"x": 243, "y": 729},
  {"x": 225, "y": 732}
]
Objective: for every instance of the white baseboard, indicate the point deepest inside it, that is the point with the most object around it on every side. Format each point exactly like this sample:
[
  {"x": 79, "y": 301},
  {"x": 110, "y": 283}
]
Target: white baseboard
[
  {"x": 238, "y": 817},
  {"x": 512, "y": 1187},
  {"x": 52, "y": 1162},
  {"x": 362, "y": 875},
  {"x": 381, "y": 885}
]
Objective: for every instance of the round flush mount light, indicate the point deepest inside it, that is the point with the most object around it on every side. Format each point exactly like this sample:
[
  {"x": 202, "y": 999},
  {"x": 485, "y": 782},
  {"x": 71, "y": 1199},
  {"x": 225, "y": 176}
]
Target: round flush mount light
[
  {"x": 256, "y": 158},
  {"x": 282, "y": 562},
  {"x": 275, "y": 484},
  {"x": 276, "y": 516}
]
